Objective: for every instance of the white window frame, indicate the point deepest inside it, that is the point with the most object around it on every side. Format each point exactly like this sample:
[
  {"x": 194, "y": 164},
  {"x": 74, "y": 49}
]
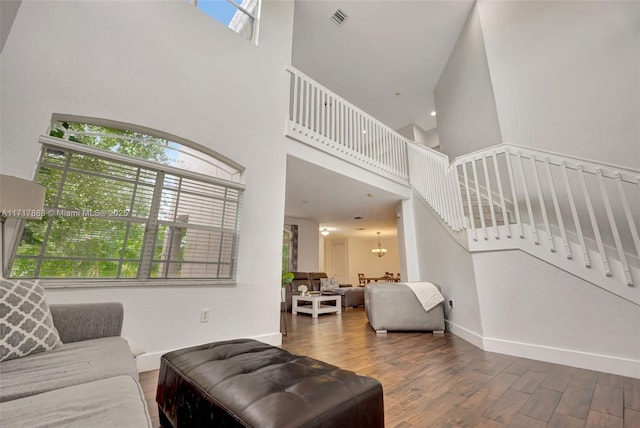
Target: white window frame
[{"x": 48, "y": 141}]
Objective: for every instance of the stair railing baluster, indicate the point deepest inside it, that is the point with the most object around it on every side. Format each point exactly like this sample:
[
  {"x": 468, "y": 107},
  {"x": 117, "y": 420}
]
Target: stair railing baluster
[
  {"x": 627, "y": 212},
  {"x": 514, "y": 193},
  {"x": 574, "y": 214},
  {"x": 479, "y": 197},
  {"x": 556, "y": 206},
  {"x": 594, "y": 223},
  {"x": 614, "y": 228},
  {"x": 487, "y": 181},
  {"x": 469, "y": 205},
  {"x": 295, "y": 117},
  {"x": 503, "y": 206},
  {"x": 527, "y": 199},
  {"x": 543, "y": 208}
]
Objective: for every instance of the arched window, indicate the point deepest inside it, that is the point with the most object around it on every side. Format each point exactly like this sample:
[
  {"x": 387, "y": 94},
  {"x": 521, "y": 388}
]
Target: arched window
[{"x": 130, "y": 204}]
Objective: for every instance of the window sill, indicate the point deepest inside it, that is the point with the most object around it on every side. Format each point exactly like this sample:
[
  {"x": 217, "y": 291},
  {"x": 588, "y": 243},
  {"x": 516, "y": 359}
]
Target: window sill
[{"x": 100, "y": 283}]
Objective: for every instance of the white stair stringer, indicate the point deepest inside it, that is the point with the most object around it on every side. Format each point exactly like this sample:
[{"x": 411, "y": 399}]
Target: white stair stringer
[{"x": 615, "y": 282}]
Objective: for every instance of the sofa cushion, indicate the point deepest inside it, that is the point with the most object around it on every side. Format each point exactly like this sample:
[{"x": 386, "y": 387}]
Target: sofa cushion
[
  {"x": 71, "y": 364},
  {"x": 26, "y": 326},
  {"x": 113, "y": 402}
]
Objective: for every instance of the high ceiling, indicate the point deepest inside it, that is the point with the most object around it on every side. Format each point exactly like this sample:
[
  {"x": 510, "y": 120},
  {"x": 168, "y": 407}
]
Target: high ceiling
[{"x": 382, "y": 48}]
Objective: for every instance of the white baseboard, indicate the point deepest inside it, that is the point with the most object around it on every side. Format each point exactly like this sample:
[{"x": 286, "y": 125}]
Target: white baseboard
[
  {"x": 468, "y": 335},
  {"x": 151, "y": 361},
  {"x": 147, "y": 362},
  {"x": 584, "y": 360}
]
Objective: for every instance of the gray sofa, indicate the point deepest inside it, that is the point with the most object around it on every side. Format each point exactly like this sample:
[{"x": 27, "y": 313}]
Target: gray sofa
[
  {"x": 350, "y": 296},
  {"x": 91, "y": 381},
  {"x": 394, "y": 307}
]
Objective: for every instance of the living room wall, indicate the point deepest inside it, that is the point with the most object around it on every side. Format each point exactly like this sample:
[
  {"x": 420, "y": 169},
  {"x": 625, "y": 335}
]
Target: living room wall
[{"x": 166, "y": 66}]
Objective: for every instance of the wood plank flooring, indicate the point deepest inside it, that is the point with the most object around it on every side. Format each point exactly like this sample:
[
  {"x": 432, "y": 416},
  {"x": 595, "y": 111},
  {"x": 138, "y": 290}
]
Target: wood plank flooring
[{"x": 443, "y": 381}]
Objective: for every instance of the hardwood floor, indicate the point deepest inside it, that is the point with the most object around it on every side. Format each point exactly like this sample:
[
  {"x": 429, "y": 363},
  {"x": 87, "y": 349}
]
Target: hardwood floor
[{"x": 443, "y": 381}]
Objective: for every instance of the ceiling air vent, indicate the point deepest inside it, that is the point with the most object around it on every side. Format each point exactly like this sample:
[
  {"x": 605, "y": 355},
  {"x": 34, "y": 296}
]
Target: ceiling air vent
[{"x": 339, "y": 17}]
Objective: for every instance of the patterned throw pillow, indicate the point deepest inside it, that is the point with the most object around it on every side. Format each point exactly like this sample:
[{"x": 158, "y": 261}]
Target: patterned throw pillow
[
  {"x": 327, "y": 283},
  {"x": 26, "y": 326}
]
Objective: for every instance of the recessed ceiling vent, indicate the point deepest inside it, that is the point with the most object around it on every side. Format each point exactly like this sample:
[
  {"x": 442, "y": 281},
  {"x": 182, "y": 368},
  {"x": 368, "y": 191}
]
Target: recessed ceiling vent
[{"x": 339, "y": 17}]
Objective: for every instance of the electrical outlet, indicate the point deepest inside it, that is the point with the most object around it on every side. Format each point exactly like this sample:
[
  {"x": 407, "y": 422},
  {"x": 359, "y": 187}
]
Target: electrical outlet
[
  {"x": 451, "y": 304},
  {"x": 204, "y": 315}
]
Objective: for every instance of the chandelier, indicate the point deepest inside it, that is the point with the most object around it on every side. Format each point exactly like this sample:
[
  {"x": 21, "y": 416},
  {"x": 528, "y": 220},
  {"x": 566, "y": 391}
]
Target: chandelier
[{"x": 379, "y": 252}]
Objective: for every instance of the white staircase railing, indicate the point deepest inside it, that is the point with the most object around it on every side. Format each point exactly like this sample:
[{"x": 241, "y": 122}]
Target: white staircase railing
[
  {"x": 580, "y": 215},
  {"x": 437, "y": 183},
  {"x": 559, "y": 197},
  {"x": 323, "y": 119}
]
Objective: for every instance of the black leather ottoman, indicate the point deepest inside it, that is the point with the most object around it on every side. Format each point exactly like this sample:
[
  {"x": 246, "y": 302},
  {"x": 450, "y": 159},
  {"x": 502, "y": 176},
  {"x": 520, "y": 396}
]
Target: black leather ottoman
[{"x": 246, "y": 383}]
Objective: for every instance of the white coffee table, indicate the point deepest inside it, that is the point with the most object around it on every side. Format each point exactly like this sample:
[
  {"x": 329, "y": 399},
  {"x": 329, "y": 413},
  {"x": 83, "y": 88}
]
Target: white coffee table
[{"x": 316, "y": 305}]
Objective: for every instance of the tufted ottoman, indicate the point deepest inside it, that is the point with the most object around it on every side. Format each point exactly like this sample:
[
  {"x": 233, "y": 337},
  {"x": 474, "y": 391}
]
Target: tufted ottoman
[{"x": 246, "y": 383}]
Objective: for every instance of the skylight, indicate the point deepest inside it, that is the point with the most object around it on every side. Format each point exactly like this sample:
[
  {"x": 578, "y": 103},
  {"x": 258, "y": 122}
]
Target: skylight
[{"x": 239, "y": 15}]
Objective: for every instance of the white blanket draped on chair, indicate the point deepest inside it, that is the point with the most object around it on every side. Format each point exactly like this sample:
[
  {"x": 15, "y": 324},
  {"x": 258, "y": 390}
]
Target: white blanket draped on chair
[{"x": 428, "y": 294}]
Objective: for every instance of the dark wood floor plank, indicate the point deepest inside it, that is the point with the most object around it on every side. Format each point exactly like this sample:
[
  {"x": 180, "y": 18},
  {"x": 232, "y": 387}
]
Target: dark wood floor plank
[
  {"x": 575, "y": 402},
  {"x": 542, "y": 404},
  {"x": 558, "y": 378},
  {"x": 610, "y": 380},
  {"x": 585, "y": 379},
  {"x": 564, "y": 421},
  {"x": 529, "y": 382},
  {"x": 522, "y": 421},
  {"x": 602, "y": 420},
  {"x": 631, "y": 418},
  {"x": 499, "y": 384},
  {"x": 632, "y": 394},
  {"x": 505, "y": 408},
  {"x": 608, "y": 400},
  {"x": 149, "y": 384},
  {"x": 442, "y": 381}
]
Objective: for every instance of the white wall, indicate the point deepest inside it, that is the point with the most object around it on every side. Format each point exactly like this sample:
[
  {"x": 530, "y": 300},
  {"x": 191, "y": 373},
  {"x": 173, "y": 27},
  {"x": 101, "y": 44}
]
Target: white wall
[
  {"x": 415, "y": 133},
  {"x": 407, "y": 132},
  {"x": 308, "y": 243},
  {"x": 445, "y": 262},
  {"x": 428, "y": 138},
  {"x": 167, "y": 66},
  {"x": 8, "y": 11},
  {"x": 467, "y": 118},
  {"x": 566, "y": 76},
  {"x": 533, "y": 307}
]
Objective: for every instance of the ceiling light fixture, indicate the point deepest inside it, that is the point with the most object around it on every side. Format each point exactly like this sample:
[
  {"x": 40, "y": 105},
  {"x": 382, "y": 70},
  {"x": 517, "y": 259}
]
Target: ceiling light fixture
[
  {"x": 324, "y": 231},
  {"x": 433, "y": 113},
  {"x": 379, "y": 252}
]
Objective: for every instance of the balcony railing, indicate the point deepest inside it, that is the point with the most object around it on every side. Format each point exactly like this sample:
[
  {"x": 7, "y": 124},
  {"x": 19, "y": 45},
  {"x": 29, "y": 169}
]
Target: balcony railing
[{"x": 321, "y": 118}]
